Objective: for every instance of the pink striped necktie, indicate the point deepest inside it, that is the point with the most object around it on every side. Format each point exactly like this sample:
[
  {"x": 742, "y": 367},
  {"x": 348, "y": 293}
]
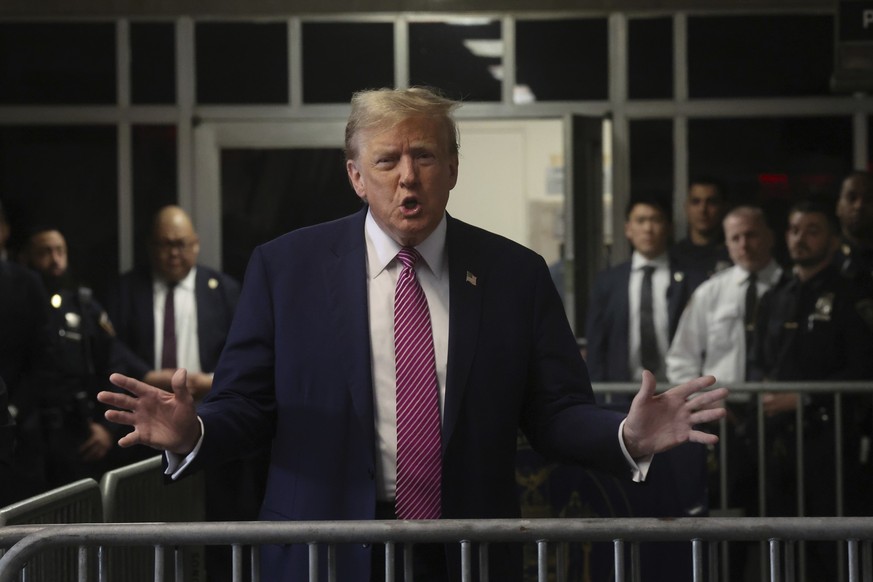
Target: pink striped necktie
[{"x": 419, "y": 449}]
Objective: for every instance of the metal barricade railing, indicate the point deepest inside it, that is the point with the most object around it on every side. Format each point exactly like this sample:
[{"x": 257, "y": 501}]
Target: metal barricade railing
[
  {"x": 779, "y": 534},
  {"x": 140, "y": 493},
  {"x": 758, "y": 463},
  {"x": 78, "y": 502}
]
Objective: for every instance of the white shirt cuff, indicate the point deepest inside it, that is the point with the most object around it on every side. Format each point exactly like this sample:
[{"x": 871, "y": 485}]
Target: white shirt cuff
[
  {"x": 176, "y": 463},
  {"x": 639, "y": 467}
]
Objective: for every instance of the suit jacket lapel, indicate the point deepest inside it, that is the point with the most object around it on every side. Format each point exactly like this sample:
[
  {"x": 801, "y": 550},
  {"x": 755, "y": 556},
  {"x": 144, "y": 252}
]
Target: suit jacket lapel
[
  {"x": 467, "y": 281},
  {"x": 345, "y": 282},
  {"x": 144, "y": 304}
]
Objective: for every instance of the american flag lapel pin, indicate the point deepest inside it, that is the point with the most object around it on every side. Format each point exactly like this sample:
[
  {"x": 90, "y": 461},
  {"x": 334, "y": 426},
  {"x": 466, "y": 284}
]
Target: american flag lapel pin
[{"x": 471, "y": 278}]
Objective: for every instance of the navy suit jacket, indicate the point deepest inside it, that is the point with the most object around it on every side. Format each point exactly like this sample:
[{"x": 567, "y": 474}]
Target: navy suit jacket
[
  {"x": 296, "y": 371},
  {"x": 607, "y": 323},
  {"x": 131, "y": 310}
]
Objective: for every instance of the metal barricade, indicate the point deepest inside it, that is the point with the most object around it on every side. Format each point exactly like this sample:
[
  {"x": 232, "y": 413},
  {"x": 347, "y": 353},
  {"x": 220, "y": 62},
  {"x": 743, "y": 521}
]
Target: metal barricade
[
  {"x": 141, "y": 493},
  {"x": 702, "y": 534},
  {"x": 840, "y": 474},
  {"x": 78, "y": 502}
]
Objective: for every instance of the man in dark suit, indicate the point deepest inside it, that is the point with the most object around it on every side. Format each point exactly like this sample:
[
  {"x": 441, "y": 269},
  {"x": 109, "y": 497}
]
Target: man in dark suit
[
  {"x": 615, "y": 338},
  {"x": 310, "y": 360},
  {"x": 203, "y": 304},
  {"x": 176, "y": 314},
  {"x": 629, "y": 329}
]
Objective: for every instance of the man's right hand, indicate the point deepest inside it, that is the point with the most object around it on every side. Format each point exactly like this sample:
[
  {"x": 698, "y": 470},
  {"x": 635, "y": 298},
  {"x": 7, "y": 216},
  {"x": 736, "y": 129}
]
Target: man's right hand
[{"x": 160, "y": 419}]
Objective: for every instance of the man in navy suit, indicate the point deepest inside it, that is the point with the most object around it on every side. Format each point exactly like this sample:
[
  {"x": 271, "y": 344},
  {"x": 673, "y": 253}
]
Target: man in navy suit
[
  {"x": 204, "y": 301},
  {"x": 309, "y": 362},
  {"x": 613, "y": 323}
]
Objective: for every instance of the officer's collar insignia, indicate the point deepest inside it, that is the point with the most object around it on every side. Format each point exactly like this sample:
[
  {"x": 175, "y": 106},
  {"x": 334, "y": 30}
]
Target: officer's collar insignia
[
  {"x": 213, "y": 283},
  {"x": 678, "y": 276}
]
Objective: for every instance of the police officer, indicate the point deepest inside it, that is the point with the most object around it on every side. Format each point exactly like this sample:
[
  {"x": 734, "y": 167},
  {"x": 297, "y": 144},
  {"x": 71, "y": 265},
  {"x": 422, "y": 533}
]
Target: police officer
[
  {"x": 855, "y": 211},
  {"x": 810, "y": 329},
  {"x": 77, "y": 438}
]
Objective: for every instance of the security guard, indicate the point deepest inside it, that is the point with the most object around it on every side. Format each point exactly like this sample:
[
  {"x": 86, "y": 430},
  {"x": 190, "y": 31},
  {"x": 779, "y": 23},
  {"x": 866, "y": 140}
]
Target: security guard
[
  {"x": 810, "y": 328},
  {"x": 855, "y": 211},
  {"x": 77, "y": 438}
]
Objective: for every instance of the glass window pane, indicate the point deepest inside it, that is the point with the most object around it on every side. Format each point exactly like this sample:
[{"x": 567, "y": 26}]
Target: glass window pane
[
  {"x": 650, "y": 58},
  {"x": 651, "y": 156},
  {"x": 153, "y": 62},
  {"x": 760, "y": 56},
  {"x": 154, "y": 180},
  {"x": 772, "y": 162},
  {"x": 561, "y": 60},
  {"x": 268, "y": 192},
  {"x": 464, "y": 60},
  {"x": 242, "y": 62},
  {"x": 329, "y": 75},
  {"x": 50, "y": 63},
  {"x": 65, "y": 176}
]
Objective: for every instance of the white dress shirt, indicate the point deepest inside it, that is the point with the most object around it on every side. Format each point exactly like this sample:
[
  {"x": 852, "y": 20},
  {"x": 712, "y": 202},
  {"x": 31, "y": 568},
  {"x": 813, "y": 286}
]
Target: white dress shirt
[
  {"x": 185, "y": 308},
  {"x": 432, "y": 272},
  {"x": 711, "y": 336},
  {"x": 660, "y": 283}
]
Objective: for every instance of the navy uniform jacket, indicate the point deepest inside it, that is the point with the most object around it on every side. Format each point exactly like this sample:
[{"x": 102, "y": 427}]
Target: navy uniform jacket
[
  {"x": 25, "y": 358},
  {"x": 297, "y": 371},
  {"x": 131, "y": 309},
  {"x": 609, "y": 313},
  {"x": 813, "y": 330}
]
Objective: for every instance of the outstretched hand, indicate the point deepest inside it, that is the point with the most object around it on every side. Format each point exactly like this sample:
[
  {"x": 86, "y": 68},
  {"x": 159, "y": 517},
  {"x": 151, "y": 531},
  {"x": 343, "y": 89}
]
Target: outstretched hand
[
  {"x": 160, "y": 419},
  {"x": 658, "y": 422}
]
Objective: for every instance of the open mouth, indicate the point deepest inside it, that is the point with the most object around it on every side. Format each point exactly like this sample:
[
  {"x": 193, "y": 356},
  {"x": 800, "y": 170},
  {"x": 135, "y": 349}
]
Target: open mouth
[{"x": 410, "y": 206}]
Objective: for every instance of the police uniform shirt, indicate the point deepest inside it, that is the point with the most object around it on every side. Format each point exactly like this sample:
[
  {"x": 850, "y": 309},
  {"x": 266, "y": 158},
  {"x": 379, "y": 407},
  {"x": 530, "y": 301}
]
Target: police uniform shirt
[{"x": 711, "y": 338}]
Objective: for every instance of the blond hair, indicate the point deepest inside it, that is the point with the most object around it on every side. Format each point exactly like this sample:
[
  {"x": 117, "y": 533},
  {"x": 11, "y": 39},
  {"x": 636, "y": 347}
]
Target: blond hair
[{"x": 383, "y": 108}]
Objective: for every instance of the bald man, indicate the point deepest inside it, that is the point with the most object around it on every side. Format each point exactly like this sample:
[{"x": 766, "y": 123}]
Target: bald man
[{"x": 175, "y": 313}]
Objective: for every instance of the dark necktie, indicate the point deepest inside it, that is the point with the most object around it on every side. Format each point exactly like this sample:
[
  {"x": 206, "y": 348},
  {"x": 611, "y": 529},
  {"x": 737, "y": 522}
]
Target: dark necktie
[
  {"x": 168, "y": 345},
  {"x": 419, "y": 445},
  {"x": 751, "y": 309},
  {"x": 650, "y": 356}
]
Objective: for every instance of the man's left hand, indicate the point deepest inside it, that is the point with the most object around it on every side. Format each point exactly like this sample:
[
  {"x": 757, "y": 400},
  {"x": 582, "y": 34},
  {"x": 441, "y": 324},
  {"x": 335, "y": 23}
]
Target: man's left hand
[{"x": 658, "y": 422}]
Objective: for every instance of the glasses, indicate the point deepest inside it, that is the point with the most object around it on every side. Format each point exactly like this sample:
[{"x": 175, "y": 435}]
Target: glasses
[{"x": 168, "y": 245}]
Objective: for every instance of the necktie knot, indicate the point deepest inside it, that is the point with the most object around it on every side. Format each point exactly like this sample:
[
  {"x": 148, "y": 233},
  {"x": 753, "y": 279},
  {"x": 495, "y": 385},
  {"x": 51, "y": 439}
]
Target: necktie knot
[
  {"x": 648, "y": 270},
  {"x": 408, "y": 256}
]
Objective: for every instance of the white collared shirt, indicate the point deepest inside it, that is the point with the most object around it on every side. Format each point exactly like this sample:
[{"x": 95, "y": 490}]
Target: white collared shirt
[
  {"x": 660, "y": 283},
  {"x": 382, "y": 271},
  {"x": 185, "y": 307},
  {"x": 711, "y": 336}
]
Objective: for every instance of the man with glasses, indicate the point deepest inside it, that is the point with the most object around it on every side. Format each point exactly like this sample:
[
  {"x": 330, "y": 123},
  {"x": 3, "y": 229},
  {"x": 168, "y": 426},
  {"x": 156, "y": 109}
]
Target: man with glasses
[{"x": 176, "y": 314}]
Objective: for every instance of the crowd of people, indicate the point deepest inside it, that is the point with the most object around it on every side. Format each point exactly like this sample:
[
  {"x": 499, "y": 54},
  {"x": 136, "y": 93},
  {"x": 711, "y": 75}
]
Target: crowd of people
[
  {"x": 309, "y": 362},
  {"x": 719, "y": 303}
]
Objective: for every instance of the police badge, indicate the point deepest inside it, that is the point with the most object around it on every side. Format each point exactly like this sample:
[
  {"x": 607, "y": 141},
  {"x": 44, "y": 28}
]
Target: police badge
[{"x": 824, "y": 305}]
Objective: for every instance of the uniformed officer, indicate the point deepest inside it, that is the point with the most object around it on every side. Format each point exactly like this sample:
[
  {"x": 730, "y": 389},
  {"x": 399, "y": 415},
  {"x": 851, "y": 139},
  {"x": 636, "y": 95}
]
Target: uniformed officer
[
  {"x": 810, "y": 328},
  {"x": 77, "y": 437},
  {"x": 855, "y": 211}
]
